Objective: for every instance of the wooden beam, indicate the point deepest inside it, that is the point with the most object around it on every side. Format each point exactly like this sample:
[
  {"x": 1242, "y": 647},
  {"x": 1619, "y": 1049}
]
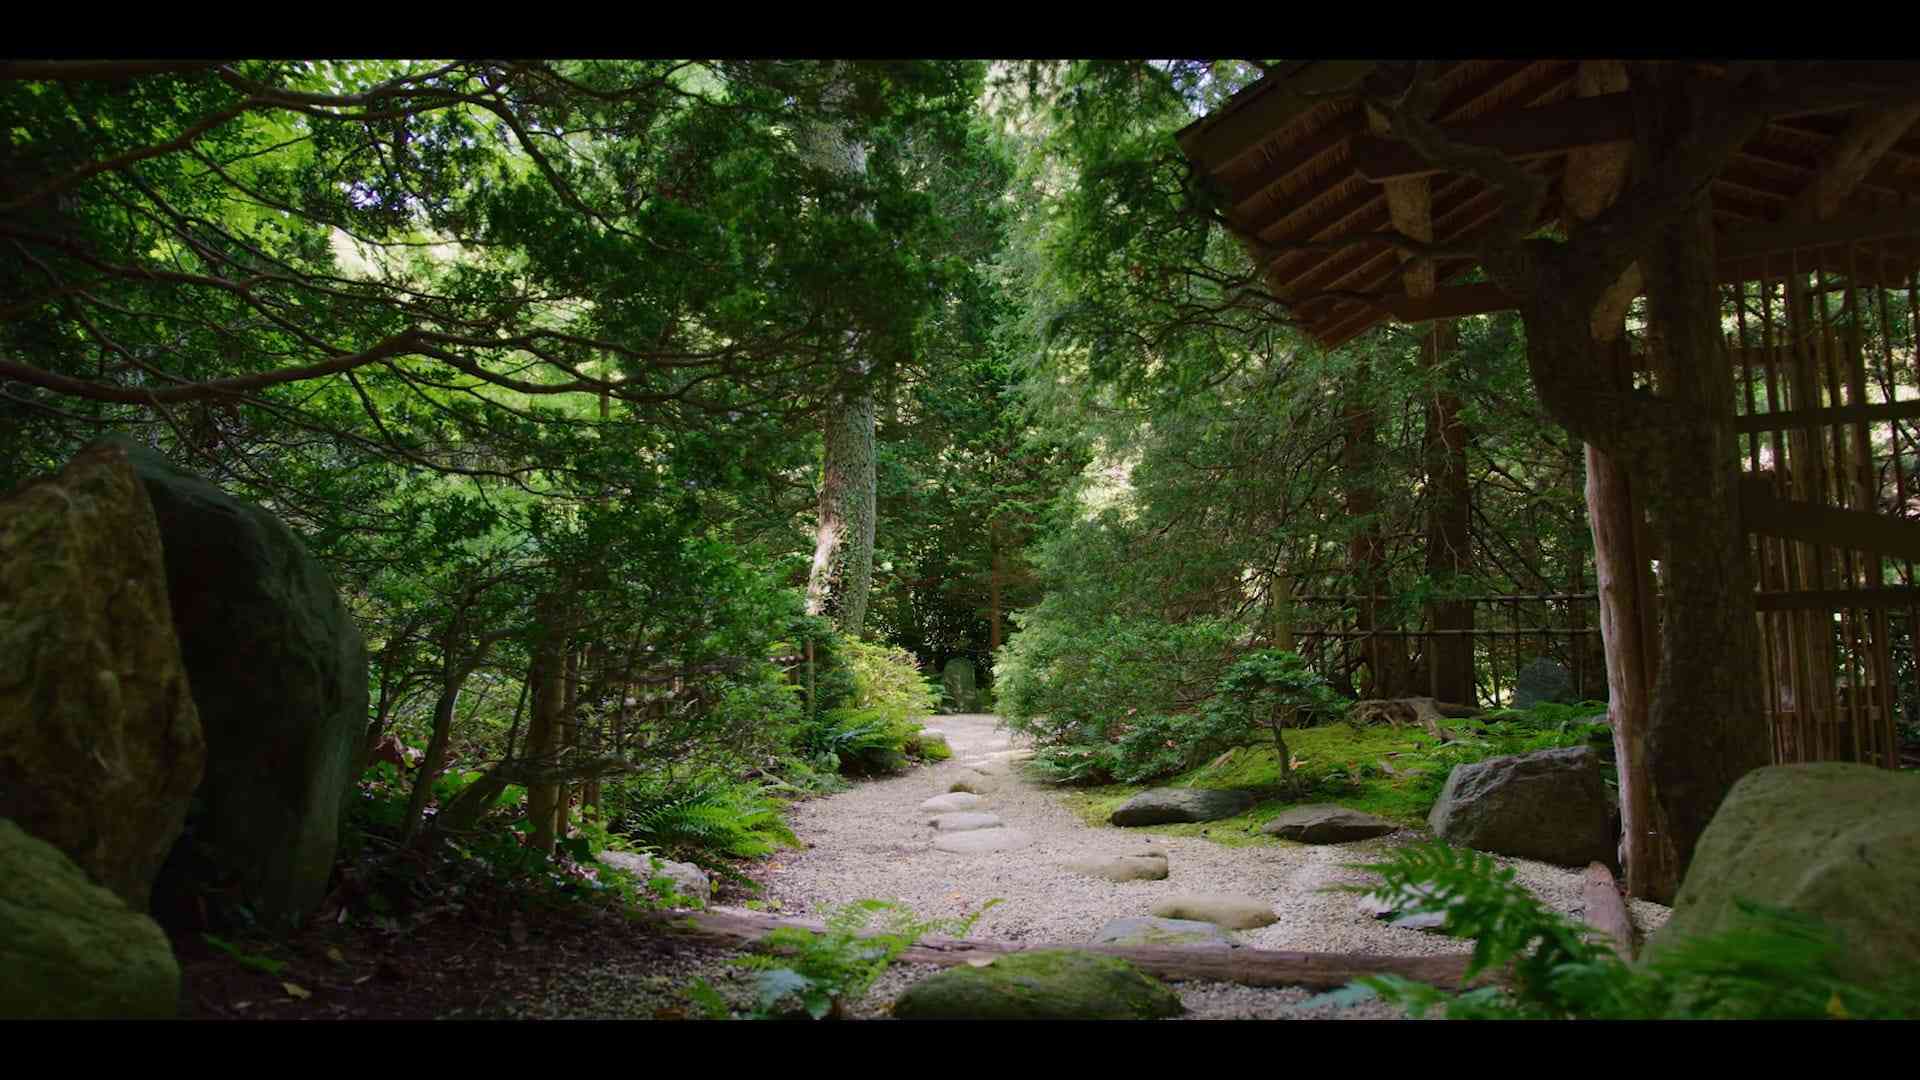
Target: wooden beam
[
  {"x": 1852, "y": 229},
  {"x": 1885, "y": 596},
  {"x": 1857, "y": 530},
  {"x": 1840, "y": 414},
  {"x": 1852, "y": 156},
  {"x": 1520, "y": 134},
  {"x": 1216, "y": 142}
]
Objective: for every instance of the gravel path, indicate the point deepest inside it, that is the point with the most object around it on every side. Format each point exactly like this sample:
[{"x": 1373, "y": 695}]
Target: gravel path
[{"x": 871, "y": 842}]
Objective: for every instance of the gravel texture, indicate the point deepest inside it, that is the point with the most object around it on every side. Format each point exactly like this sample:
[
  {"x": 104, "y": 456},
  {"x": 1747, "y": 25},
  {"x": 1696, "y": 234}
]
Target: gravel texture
[{"x": 872, "y": 842}]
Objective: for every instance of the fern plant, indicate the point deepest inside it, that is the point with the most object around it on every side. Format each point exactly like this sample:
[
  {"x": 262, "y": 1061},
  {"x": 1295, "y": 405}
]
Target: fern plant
[
  {"x": 817, "y": 974},
  {"x": 1776, "y": 965},
  {"x": 702, "y": 822}
]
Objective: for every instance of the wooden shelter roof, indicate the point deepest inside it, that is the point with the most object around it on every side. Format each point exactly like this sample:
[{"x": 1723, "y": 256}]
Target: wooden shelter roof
[{"x": 1297, "y": 163}]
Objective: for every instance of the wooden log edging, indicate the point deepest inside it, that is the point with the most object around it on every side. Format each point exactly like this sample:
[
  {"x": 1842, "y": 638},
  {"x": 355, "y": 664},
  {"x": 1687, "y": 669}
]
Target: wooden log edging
[
  {"x": 1245, "y": 966},
  {"x": 1605, "y": 911}
]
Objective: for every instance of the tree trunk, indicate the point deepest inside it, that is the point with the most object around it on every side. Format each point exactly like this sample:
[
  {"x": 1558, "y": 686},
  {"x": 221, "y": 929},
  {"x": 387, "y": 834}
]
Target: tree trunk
[
  {"x": 436, "y": 758},
  {"x": 1449, "y": 524},
  {"x": 842, "y": 571},
  {"x": 1706, "y": 728},
  {"x": 1385, "y": 657},
  {"x": 546, "y": 675},
  {"x": 995, "y": 578}
]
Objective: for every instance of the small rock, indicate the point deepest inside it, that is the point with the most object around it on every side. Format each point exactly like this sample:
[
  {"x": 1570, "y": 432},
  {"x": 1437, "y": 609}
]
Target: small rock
[
  {"x": 1045, "y": 984},
  {"x": 1324, "y": 823},
  {"x": 1222, "y": 909},
  {"x": 966, "y": 822},
  {"x": 1161, "y": 806},
  {"x": 1141, "y": 866},
  {"x": 688, "y": 879},
  {"x": 976, "y": 841},
  {"x": 948, "y": 803},
  {"x": 1142, "y": 930}
]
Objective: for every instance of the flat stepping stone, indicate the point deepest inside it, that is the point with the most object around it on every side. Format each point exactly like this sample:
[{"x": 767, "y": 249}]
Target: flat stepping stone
[
  {"x": 1325, "y": 823},
  {"x": 1148, "y": 865},
  {"x": 973, "y": 781},
  {"x": 1144, "y": 930},
  {"x": 976, "y": 841},
  {"x": 1162, "y": 806},
  {"x": 965, "y": 821},
  {"x": 1011, "y": 755},
  {"x": 1222, "y": 909},
  {"x": 952, "y": 801}
]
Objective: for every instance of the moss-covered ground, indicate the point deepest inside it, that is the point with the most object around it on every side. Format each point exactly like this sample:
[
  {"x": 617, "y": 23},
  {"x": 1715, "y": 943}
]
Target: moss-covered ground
[{"x": 1395, "y": 773}]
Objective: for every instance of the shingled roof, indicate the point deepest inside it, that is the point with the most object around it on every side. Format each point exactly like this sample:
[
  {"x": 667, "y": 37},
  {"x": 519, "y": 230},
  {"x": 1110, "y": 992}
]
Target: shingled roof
[{"x": 1296, "y": 163}]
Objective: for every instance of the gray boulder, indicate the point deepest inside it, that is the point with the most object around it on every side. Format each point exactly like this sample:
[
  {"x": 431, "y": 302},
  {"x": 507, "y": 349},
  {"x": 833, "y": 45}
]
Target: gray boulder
[
  {"x": 1044, "y": 984},
  {"x": 279, "y": 675},
  {"x": 1324, "y": 823},
  {"x": 1149, "y": 865},
  {"x": 72, "y": 950},
  {"x": 1837, "y": 841},
  {"x": 1378, "y": 908},
  {"x": 1221, "y": 909},
  {"x": 688, "y": 879},
  {"x": 100, "y": 744},
  {"x": 1550, "y": 805},
  {"x": 1162, "y": 806},
  {"x": 1542, "y": 679},
  {"x": 1141, "y": 930},
  {"x": 974, "y": 782}
]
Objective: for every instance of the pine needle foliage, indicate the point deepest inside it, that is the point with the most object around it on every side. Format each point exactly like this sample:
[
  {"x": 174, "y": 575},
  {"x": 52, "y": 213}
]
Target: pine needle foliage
[{"x": 1776, "y": 965}]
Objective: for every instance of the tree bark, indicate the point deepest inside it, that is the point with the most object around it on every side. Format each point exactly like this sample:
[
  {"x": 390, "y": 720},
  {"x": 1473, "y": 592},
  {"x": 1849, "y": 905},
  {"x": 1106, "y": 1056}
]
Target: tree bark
[
  {"x": 1449, "y": 523},
  {"x": 546, "y": 675},
  {"x": 1385, "y": 657}
]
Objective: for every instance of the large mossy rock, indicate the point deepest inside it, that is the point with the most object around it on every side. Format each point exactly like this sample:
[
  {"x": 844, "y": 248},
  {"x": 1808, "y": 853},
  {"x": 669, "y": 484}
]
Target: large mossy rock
[
  {"x": 1550, "y": 805},
  {"x": 960, "y": 684},
  {"x": 1542, "y": 679},
  {"x": 688, "y": 880},
  {"x": 1837, "y": 841},
  {"x": 100, "y": 745},
  {"x": 279, "y": 673},
  {"x": 71, "y": 950},
  {"x": 1163, "y": 806},
  {"x": 1045, "y": 984}
]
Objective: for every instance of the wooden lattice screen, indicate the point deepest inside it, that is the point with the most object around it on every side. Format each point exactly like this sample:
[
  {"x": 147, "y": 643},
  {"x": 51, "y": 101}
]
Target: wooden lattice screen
[{"x": 1823, "y": 347}]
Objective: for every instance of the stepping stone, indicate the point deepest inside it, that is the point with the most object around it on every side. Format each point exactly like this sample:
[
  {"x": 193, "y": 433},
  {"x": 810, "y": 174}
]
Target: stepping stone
[
  {"x": 1376, "y": 908},
  {"x": 947, "y": 804},
  {"x": 1148, "y": 865},
  {"x": 966, "y": 822},
  {"x": 1324, "y": 823},
  {"x": 1011, "y": 755},
  {"x": 1222, "y": 909},
  {"x": 977, "y": 841},
  {"x": 973, "y": 781},
  {"x": 1142, "y": 930},
  {"x": 1161, "y": 806}
]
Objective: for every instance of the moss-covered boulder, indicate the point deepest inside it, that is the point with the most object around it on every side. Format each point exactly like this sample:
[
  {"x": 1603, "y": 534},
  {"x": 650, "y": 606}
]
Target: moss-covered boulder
[
  {"x": 1837, "y": 841},
  {"x": 1045, "y": 984},
  {"x": 1550, "y": 805},
  {"x": 1165, "y": 806},
  {"x": 100, "y": 745},
  {"x": 72, "y": 950},
  {"x": 279, "y": 674}
]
